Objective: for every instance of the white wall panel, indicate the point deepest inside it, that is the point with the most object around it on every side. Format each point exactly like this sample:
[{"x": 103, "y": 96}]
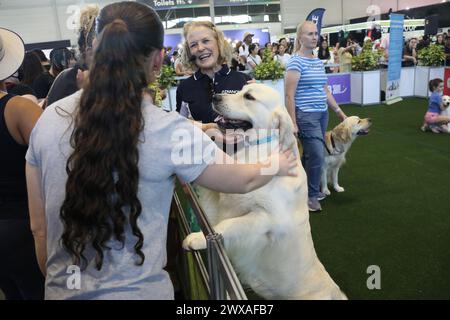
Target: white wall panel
[
  {"x": 341, "y": 11},
  {"x": 43, "y": 20},
  {"x": 403, "y": 4},
  {"x": 295, "y": 11},
  {"x": 24, "y": 3},
  {"x": 35, "y": 24}
]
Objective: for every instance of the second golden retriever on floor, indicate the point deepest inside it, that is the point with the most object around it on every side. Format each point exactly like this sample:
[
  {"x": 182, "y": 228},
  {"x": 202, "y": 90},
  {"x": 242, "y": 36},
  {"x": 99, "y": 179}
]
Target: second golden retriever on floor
[{"x": 338, "y": 141}]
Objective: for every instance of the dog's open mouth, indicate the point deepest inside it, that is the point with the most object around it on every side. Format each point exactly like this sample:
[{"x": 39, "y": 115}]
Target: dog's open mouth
[
  {"x": 363, "y": 132},
  {"x": 232, "y": 124}
]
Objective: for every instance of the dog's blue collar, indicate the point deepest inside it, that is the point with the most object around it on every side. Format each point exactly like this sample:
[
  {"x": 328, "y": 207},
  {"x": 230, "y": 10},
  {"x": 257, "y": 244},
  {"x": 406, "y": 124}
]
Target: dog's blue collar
[{"x": 258, "y": 142}]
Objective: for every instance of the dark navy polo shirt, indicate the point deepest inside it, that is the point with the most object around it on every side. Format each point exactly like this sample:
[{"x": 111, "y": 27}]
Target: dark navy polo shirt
[{"x": 196, "y": 91}]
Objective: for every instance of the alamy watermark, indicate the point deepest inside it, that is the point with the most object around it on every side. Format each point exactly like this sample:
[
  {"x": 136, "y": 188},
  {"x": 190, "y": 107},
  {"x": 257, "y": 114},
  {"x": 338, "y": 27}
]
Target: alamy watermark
[
  {"x": 252, "y": 147},
  {"x": 374, "y": 13},
  {"x": 73, "y": 282},
  {"x": 374, "y": 281}
]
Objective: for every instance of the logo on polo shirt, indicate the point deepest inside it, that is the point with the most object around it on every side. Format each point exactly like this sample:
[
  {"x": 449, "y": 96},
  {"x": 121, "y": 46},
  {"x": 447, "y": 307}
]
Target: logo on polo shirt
[{"x": 230, "y": 91}]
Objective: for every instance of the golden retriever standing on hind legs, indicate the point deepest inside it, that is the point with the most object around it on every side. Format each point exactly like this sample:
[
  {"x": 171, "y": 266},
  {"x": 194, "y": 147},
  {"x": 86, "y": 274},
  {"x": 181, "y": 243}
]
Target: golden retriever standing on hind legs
[
  {"x": 266, "y": 232},
  {"x": 338, "y": 141}
]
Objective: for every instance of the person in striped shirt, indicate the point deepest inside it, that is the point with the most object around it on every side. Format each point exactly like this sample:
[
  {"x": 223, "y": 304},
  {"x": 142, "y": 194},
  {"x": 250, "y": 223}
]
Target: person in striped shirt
[{"x": 307, "y": 96}]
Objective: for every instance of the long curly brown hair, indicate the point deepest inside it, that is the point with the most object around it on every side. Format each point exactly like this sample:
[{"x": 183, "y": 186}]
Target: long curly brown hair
[{"x": 103, "y": 175}]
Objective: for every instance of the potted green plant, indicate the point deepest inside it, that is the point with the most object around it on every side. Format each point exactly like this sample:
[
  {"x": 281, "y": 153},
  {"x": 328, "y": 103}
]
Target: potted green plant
[
  {"x": 167, "y": 85},
  {"x": 365, "y": 76},
  {"x": 430, "y": 66},
  {"x": 270, "y": 72},
  {"x": 166, "y": 78},
  {"x": 367, "y": 60},
  {"x": 431, "y": 56}
]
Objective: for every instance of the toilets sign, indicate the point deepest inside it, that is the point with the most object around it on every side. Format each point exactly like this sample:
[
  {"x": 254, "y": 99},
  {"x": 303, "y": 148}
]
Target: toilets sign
[
  {"x": 179, "y": 4},
  {"x": 175, "y": 4}
]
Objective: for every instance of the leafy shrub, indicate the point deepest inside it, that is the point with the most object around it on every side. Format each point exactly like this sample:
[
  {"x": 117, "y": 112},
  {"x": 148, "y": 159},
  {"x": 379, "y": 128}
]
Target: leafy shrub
[
  {"x": 367, "y": 60},
  {"x": 166, "y": 78},
  {"x": 269, "y": 69},
  {"x": 431, "y": 56}
]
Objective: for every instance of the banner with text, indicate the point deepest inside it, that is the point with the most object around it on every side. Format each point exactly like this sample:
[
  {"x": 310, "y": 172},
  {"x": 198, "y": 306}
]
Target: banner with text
[
  {"x": 175, "y": 4},
  {"x": 182, "y": 4},
  {"x": 395, "y": 58},
  {"x": 339, "y": 86}
]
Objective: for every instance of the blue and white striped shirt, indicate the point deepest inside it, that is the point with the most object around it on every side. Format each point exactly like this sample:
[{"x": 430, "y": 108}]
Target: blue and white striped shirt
[{"x": 310, "y": 95}]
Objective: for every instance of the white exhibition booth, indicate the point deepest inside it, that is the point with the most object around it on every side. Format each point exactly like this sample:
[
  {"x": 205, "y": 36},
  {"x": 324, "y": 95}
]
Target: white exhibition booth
[{"x": 365, "y": 87}]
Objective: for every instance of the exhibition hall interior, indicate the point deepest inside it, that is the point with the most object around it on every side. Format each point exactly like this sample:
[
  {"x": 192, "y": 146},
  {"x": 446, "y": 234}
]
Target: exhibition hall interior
[{"x": 224, "y": 150}]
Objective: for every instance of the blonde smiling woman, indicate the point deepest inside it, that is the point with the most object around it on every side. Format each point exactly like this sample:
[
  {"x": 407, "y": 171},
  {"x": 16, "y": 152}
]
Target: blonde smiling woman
[{"x": 206, "y": 51}]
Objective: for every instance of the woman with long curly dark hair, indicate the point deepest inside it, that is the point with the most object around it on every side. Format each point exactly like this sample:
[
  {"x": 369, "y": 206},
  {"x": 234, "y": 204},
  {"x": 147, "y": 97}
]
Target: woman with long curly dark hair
[{"x": 101, "y": 167}]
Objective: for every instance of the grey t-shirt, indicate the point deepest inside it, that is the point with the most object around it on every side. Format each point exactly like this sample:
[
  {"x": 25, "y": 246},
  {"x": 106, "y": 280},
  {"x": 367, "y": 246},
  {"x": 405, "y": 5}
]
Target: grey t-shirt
[{"x": 159, "y": 161}]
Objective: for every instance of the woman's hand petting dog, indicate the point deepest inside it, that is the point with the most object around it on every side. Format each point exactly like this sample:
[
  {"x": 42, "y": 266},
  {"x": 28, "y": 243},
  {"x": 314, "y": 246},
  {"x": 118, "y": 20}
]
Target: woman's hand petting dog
[
  {"x": 286, "y": 161},
  {"x": 212, "y": 130}
]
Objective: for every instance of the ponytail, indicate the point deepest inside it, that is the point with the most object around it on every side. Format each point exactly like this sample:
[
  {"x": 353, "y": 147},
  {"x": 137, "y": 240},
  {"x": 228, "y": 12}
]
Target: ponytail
[{"x": 103, "y": 175}]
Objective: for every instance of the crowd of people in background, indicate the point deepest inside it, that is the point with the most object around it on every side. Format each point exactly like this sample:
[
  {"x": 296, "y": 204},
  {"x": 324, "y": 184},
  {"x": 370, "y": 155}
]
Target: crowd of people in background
[
  {"x": 337, "y": 57},
  {"x": 246, "y": 55},
  {"x": 37, "y": 73}
]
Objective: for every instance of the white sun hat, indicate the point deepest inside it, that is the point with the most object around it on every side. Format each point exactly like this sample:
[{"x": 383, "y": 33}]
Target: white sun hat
[{"x": 12, "y": 53}]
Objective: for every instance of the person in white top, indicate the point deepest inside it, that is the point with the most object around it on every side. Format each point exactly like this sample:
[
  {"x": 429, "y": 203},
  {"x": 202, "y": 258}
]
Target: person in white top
[
  {"x": 244, "y": 48},
  {"x": 253, "y": 58},
  {"x": 282, "y": 56}
]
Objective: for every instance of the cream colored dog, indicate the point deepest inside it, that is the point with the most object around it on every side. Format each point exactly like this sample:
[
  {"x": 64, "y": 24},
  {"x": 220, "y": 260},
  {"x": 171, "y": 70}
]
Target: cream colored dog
[
  {"x": 338, "y": 141},
  {"x": 266, "y": 232},
  {"x": 446, "y": 107}
]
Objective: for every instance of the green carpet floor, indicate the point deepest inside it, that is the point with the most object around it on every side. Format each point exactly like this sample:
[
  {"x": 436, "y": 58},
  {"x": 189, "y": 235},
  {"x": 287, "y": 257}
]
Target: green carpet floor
[{"x": 395, "y": 211}]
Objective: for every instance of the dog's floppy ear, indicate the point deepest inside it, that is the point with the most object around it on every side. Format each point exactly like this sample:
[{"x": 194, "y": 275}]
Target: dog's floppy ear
[
  {"x": 343, "y": 132},
  {"x": 282, "y": 121}
]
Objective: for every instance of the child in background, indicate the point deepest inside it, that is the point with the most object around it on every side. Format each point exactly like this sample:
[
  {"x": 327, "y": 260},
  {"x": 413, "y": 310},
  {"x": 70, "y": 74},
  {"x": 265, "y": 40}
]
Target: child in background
[{"x": 434, "y": 121}]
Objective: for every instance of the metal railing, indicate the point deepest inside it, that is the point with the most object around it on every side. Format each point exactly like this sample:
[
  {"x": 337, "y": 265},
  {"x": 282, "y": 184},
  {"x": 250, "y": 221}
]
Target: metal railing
[{"x": 217, "y": 274}]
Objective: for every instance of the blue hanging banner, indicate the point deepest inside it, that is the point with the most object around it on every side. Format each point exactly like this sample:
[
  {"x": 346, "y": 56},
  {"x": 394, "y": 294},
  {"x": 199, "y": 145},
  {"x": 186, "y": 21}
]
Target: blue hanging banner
[
  {"x": 395, "y": 58},
  {"x": 316, "y": 16}
]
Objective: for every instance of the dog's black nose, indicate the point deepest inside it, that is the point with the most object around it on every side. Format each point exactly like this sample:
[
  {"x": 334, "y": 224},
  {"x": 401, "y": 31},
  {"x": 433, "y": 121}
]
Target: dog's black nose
[
  {"x": 370, "y": 120},
  {"x": 217, "y": 98}
]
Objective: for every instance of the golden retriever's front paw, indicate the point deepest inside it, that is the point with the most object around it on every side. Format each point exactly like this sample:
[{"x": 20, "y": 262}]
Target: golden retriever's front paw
[
  {"x": 339, "y": 189},
  {"x": 326, "y": 191},
  {"x": 194, "y": 241}
]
